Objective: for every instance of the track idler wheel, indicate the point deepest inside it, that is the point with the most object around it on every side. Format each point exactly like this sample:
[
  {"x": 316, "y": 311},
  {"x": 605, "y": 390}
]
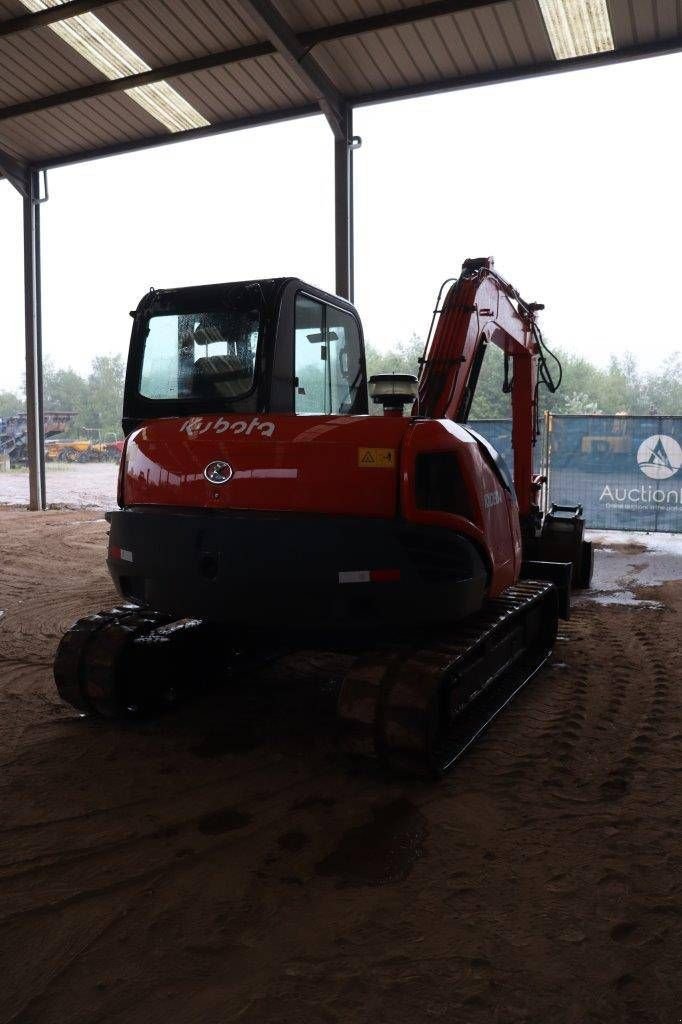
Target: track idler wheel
[
  {"x": 96, "y": 668},
  {"x": 129, "y": 662},
  {"x": 116, "y": 680},
  {"x": 68, "y": 662}
]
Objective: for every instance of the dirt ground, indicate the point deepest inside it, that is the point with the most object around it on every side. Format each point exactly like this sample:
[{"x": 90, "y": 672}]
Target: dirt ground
[{"x": 225, "y": 864}]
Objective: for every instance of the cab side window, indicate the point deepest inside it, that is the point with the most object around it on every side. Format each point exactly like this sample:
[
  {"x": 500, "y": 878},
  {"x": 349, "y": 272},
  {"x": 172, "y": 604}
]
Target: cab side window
[{"x": 328, "y": 365}]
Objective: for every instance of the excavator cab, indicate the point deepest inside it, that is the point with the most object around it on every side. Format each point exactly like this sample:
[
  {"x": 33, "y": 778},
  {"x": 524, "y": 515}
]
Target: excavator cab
[{"x": 271, "y": 346}]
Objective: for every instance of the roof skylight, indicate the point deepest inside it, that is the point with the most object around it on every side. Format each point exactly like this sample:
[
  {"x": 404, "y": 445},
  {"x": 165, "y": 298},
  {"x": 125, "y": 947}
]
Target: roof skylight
[
  {"x": 102, "y": 48},
  {"x": 576, "y": 27}
]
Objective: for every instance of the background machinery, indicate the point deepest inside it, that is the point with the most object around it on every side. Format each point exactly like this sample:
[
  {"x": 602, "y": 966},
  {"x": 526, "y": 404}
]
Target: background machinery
[
  {"x": 257, "y": 497},
  {"x": 95, "y": 448},
  {"x": 14, "y": 433}
]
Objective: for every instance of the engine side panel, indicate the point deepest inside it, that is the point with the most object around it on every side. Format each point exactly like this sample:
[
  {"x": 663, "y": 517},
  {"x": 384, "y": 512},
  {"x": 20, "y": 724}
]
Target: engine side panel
[{"x": 488, "y": 513}]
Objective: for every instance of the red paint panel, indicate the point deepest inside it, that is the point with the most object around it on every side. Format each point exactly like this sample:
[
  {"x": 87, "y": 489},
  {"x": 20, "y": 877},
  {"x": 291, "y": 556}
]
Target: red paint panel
[
  {"x": 314, "y": 465},
  {"x": 279, "y": 463}
]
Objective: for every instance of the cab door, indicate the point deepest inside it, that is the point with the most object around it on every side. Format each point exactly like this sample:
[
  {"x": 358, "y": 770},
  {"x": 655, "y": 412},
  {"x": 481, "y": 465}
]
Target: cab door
[{"x": 319, "y": 339}]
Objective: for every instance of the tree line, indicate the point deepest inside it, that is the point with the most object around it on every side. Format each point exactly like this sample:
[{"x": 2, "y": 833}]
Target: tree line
[
  {"x": 621, "y": 387},
  {"x": 96, "y": 398}
]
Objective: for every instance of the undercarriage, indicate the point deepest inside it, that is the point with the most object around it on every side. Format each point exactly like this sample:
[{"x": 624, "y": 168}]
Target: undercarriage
[{"x": 417, "y": 705}]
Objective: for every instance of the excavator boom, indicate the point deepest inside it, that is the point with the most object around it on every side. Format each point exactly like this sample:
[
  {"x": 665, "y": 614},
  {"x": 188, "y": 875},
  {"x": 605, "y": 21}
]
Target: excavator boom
[{"x": 480, "y": 308}]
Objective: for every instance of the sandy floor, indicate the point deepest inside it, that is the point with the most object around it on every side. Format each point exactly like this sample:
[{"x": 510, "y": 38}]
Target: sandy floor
[{"x": 223, "y": 864}]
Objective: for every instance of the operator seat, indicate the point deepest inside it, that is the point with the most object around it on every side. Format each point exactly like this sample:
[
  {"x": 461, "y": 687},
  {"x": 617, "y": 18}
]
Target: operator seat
[{"x": 221, "y": 376}]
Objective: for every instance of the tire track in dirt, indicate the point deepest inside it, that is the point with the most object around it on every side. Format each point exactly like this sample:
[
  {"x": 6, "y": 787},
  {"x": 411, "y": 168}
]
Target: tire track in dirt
[{"x": 176, "y": 864}]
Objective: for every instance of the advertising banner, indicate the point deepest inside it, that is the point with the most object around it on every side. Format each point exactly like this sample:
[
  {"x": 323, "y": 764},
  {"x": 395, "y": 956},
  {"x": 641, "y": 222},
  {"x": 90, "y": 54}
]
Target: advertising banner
[{"x": 626, "y": 471}]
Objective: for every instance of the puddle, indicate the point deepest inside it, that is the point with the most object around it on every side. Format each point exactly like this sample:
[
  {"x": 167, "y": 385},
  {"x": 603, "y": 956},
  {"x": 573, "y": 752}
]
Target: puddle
[
  {"x": 226, "y": 820},
  {"x": 383, "y": 851},
  {"x": 76, "y": 522},
  {"x": 626, "y": 598},
  {"x": 630, "y": 548}
]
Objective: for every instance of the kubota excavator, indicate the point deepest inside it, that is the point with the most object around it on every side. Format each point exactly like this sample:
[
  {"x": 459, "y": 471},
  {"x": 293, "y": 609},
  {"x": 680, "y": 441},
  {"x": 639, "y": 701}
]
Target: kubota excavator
[{"x": 258, "y": 499}]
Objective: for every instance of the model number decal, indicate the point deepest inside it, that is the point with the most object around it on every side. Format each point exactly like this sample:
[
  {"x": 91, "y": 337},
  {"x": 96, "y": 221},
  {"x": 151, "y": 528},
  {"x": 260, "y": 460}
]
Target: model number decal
[
  {"x": 196, "y": 426},
  {"x": 492, "y": 498}
]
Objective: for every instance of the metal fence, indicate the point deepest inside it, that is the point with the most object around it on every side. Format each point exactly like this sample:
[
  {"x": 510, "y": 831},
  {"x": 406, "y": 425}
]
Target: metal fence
[
  {"x": 626, "y": 471},
  {"x": 499, "y": 433}
]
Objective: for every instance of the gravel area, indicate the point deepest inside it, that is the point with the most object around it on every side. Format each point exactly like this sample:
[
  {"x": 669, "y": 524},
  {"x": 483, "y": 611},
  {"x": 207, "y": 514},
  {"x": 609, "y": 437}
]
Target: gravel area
[{"x": 92, "y": 484}]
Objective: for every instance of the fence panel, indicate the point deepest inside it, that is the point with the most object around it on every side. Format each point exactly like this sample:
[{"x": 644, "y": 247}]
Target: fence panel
[
  {"x": 499, "y": 433},
  {"x": 626, "y": 471}
]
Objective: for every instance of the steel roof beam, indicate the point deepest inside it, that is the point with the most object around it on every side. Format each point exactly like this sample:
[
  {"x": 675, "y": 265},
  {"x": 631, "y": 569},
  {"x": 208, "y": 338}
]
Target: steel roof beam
[
  {"x": 303, "y": 65},
  {"x": 170, "y": 138},
  {"x": 305, "y": 41},
  {"x": 50, "y": 15},
  {"x": 16, "y": 171},
  {"x": 392, "y": 19},
  {"x": 622, "y": 55}
]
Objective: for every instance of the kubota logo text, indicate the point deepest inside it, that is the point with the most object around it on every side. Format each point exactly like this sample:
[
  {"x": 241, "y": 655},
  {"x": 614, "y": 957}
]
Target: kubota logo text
[
  {"x": 197, "y": 425},
  {"x": 492, "y": 498}
]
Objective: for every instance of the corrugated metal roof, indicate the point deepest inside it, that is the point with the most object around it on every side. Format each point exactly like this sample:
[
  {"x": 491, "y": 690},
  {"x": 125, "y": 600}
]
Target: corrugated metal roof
[{"x": 236, "y": 75}]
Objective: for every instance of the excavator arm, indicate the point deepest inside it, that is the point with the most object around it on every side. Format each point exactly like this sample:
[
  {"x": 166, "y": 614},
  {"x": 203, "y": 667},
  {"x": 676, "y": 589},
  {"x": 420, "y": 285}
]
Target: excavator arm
[{"x": 480, "y": 307}]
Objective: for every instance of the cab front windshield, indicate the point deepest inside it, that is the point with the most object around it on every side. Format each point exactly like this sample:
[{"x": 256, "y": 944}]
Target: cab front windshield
[{"x": 202, "y": 354}]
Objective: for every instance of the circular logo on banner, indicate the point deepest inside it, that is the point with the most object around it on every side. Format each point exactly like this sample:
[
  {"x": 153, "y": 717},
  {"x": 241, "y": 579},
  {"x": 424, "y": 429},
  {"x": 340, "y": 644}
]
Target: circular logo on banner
[
  {"x": 659, "y": 457},
  {"x": 218, "y": 472}
]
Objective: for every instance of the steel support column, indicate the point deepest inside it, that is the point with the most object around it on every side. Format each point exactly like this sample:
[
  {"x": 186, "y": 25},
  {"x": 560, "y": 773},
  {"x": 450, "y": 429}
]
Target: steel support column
[
  {"x": 34, "y": 354},
  {"x": 343, "y": 208}
]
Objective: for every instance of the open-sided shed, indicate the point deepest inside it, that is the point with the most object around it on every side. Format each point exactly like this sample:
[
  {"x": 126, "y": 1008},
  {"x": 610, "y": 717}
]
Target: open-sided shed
[{"x": 81, "y": 79}]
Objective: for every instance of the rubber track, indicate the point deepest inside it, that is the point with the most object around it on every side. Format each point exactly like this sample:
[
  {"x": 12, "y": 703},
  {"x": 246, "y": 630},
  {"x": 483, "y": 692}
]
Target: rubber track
[
  {"x": 418, "y": 710},
  {"x": 130, "y": 661},
  {"x": 88, "y": 656},
  {"x": 68, "y": 662}
]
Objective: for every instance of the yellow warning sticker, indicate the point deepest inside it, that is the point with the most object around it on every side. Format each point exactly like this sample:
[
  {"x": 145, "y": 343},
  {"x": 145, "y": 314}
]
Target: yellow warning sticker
[{"x": 376, "y": 458}]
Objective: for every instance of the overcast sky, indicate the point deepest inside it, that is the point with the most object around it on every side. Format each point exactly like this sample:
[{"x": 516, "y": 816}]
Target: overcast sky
[{"x": 571, "y": 182}]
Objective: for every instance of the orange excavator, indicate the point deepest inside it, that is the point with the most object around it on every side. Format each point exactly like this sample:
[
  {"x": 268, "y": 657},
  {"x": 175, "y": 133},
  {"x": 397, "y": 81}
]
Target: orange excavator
[{"x": 260, "y": 504}]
